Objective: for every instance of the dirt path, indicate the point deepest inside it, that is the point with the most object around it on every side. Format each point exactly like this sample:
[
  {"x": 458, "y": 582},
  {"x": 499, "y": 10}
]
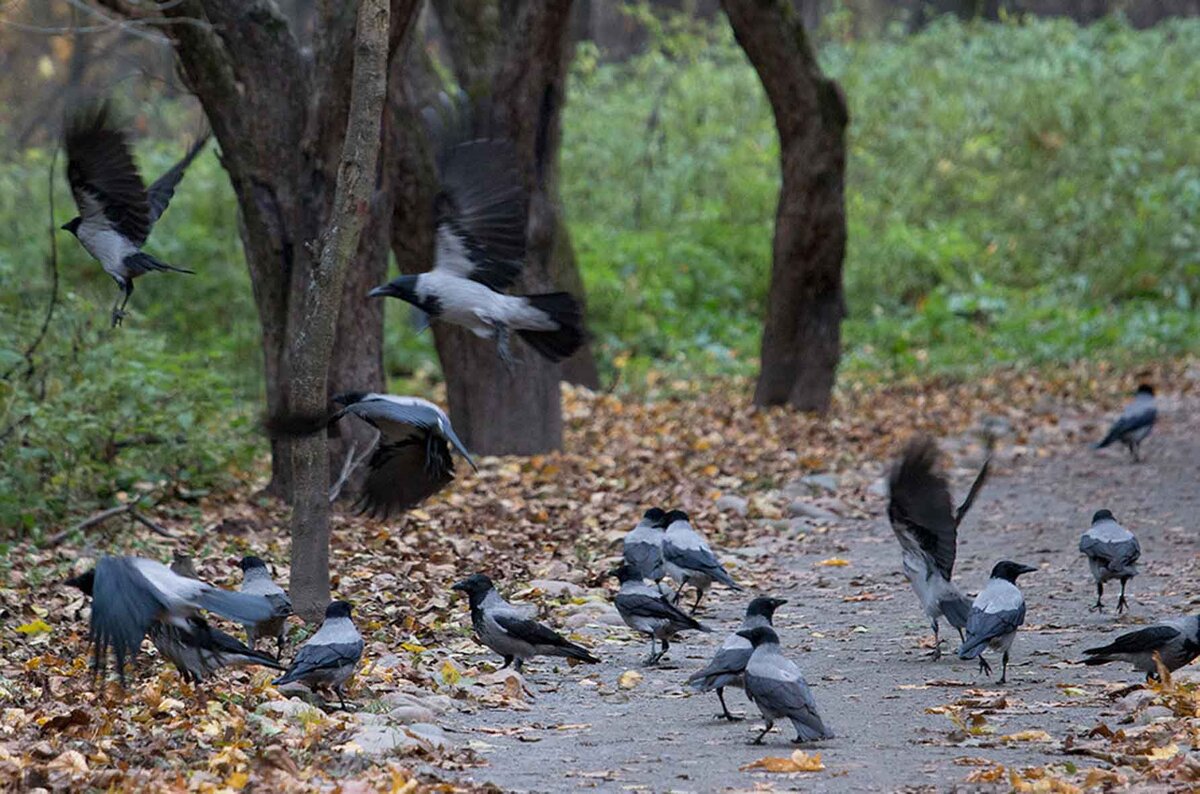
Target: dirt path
[{"x": 864, "y": 658}]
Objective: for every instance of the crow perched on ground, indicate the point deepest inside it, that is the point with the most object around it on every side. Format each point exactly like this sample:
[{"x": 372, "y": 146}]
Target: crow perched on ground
[
  {"x": 256, "y": 580},
  {"x": 116, "y": 211},
  {"x": 1112, "y": 553},
  {"x": 330, "y": 656},
  {"x": 728, "y": 666},
  {"x": 1135, "y": 422},
  {"x": 998, "y": 611},
  {"x": 645, "y": 609},
  {"x": 688, "y": 559},
  {"x": 1177, "y": 643},
  {"x": 926, "y": 525},
  {"x": 642, "y": 548},
  {"x": 481, "y": 217},
  {"x": 509, "y": 630},
  {"x": 776, "y": 686}
]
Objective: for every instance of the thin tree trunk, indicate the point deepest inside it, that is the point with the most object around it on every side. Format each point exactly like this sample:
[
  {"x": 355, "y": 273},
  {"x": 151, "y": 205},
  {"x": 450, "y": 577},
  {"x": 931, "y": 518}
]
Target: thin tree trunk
[
  {"x": 801, "y": 342},
  {"x": 311, "y": 344}
]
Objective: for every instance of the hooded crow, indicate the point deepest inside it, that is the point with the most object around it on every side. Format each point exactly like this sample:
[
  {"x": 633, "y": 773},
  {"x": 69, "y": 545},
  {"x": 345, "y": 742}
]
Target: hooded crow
[
  {"x": 330, "y": 656},
  {"x": 256, "y": 580},
  {"x": 131, "y": 594},
  {"x": 481, "y": 216},
  {"x": 1176, "y": 642},
  {"x": 1135, "y": 422},
  {"x": 775, "y": 685},
  {"x": 729, "y": 663},
  {"x": 509, "y": 631},
  {"x": 198, "y": 650},
  {"x": 643, "y": 545},
  {"x": 688, "y": 559},
  {"x": 926, "y": 524},
  {"x": 1112, "y": 553},
  {"x": 645, "y": 609},
  {"x": 998, "y": 611},
  {"x": 116, "y": 211}
]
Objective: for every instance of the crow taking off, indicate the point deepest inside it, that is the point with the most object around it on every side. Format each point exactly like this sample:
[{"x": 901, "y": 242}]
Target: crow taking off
[
  {"x": 1176, "y": 642},
  {"x": 998, "y": 611},
  {"x": 1135, "y": 422},
  {"x": 926, "y": 524},
  {"x": 116, "y": 211},
  {"x": 728, "y": 666},
  {"x": 1112, "y": 552},
  {"x": 199, "y": 650},
  {"x": 481, "y": 214}
]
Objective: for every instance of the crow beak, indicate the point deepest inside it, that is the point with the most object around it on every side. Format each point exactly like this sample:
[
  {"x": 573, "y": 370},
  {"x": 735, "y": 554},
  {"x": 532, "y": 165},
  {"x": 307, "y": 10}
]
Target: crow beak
[
  {"x": 459, "y": 586},
  {"x": 66, "y": 227},
  {"x": 779, "y": 601},
  {"x": 745, "y": 635},
  {"x": 1028, "y": 569},
  {"x": 382, "y": 292}
]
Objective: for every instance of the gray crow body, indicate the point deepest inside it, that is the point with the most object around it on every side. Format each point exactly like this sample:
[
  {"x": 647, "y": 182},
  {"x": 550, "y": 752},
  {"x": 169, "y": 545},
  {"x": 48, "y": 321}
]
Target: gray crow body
[
  {"x": 688, "y": 559},
  {"x": 1135, "y": 422},
  {"x": 775, "y": 685},
  {"x": 256, "y": 580},
  {"x": 198, "y": 650},
  {"x": 1177, "y": 643},
  {"x": 330, "y": 656},
  {"x": 645, "y": 609},
  {"x": 116, "y": 211},
  {"x": 1112, "y": 552},
  {"x": 926, "y": 524},
  {"x": 509, "y": 630},
  {"x": 728, "y": 666},
  {"x": 643, "y": 545},
  {"x": 130, "y": 595},
  {"x": 481, "y": 216},
  {"x": 998, "y": 611}
]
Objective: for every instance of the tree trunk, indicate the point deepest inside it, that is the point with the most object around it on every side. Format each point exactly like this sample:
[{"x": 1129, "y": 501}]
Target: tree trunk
[
  {"x": 802, "y": 338},
  {"x": 312, "y": 336}
]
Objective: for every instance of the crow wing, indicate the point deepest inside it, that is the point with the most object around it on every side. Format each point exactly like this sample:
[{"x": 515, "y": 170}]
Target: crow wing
[
  {"x": 124, "y": 605},
  {"x": 399, "y": 476},
  {"x": 1141, "y": 641},
  {"x": 163, "y": 188},
  {"x": 397, "y": 416},
  {"x": 104, "y": 179},
  {"x": 313, "y": 658},
  {"x": 920, "y": 506},
  {"x": 530, "y": 631}
]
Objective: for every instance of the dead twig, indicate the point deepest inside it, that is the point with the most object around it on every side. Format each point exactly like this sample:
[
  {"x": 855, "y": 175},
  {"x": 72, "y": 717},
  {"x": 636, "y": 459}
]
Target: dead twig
[
  {"x": 349, "y": 468},
  {"x": 129, "y": 509}
]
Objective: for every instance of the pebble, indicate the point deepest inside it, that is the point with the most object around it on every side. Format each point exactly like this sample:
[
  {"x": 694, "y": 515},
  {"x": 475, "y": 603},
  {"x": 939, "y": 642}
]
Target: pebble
[
  {"x": 556, "y": 588},
  {"x": 292, "y": 708},
  {"x": 820, "y": 482},
  {"x": 1153, "y": 714},
  {"x": 801, "y": 509},
  {"x": 1135, "y": 700},
  {"x": 733, "y": 504}
]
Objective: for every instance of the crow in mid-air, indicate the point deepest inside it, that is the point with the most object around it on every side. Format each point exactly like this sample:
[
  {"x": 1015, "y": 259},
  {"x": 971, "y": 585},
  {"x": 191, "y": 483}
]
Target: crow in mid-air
[
  {"x": 926, "y": 524},
  {"x": 996, "y": 614},
  {"x": 1135, "y": 422},
  {"x": 116, "y": 211},
  {"x": 1112, "y": 552}
]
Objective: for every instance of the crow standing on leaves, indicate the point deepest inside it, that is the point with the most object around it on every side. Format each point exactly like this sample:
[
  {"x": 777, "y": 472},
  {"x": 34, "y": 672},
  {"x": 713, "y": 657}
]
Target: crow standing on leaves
[
  {"x": 116, "y": 211},
  {"x": 1112, "y": 552},
  {"x": 688, "y": 559},
  {"x": 256, "y": 580},
  {"x": 509, "y": 631},
  {"x": 330, "y": 656},
  {"x": 1176, "y": 642},
  {"x": 481, "y": 216},
  {"x": 642, "y": 548},
  {"x": 1135, "y": 422},
  {"x": 776, "y": 686},
  {"x": 728, "y": 666},
  {"x": 998, "y": 611},
  {"x": 926, "y": 525},
  {"x": 645, "y": 609}
]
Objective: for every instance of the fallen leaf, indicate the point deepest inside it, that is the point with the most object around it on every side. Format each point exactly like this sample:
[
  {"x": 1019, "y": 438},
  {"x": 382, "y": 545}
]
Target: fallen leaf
[
  {"x": 1027, "y": 736},
  {"x": 834, "y": 562},
  {"x": 799, "y": 761},
  {"x": 629, "y": 679},
  {"x": 38, "y": 626},
  {"x": 1162, "y": 753}
]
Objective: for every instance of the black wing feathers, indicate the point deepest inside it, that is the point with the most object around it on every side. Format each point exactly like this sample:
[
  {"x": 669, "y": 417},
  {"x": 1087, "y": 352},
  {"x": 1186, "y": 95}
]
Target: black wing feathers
[
  {"x": 1140, "y": 641},
  {"x": 103, "y": 175},
  {"x": 400, "y": 476},
  {"x": 920, "y": 501},
  {"x": 163, "y": 189},
  {"x": 124, "y": 605}
]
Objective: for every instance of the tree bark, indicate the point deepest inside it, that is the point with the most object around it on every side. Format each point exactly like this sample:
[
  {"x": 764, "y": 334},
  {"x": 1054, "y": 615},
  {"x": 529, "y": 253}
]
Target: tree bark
[
  {"x": 801, "y": 342},
  {"x": 311, "y": 339}
]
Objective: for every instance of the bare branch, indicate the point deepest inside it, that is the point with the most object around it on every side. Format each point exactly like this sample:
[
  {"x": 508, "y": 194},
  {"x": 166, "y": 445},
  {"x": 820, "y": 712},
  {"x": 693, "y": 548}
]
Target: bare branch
[
  {"x": 352, "y": 465},
  {"x": 129, "y": 509}
]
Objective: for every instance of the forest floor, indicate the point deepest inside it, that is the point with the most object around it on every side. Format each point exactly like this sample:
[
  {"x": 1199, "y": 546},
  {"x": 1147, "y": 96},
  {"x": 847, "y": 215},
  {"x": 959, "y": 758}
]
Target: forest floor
[{"x": 430, "y": 711}]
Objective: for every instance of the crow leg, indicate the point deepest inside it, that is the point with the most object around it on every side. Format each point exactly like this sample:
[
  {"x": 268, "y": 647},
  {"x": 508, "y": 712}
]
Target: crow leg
[
  {"x": 251, "y": 638},
  {"x": 518, "y": 664},
  {"x": 503, "y": 349},
  {"x": 984, "y": 667},
  {"x": 1003, "y": 668},
  {"x": 936, "y": 653},
  {"x": 1122, "y": 604},
  {"x": 679, "y": 592},
  {"x": 725, "y": 709},
  {"x": 1099, "y": 605},
  {"x": 1133, "y": 450},
  {"x": 758, "y": 739},
  {"x": 699, "y": 595},
  {"x": 341, "y": 696},
  {"x": 280, "y": 641},
  {"x": 507, "y": 661},
  {"x": 118, "y": 311},
  {"x": 652, "y": 658}
]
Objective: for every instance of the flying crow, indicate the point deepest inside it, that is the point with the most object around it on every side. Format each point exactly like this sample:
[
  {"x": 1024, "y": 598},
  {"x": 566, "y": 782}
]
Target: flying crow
[
  {"x": 116, "y": 211},
  {"x": 481, "y": 214},
  {"x": 330, "y": 656},
  {"x": 926, "y": 525},
  {"x": 776, "y": 686},
  {"x": 130, "y": 595},
  {"x": 645, "y": 609},
  {"x": 256, "y": 580},
  {"x": 1135, "y": 423},
  {"x": 509, "y": 631},
  {"x": 688, "y": 559},
  {"x": 998, "y": 611},
  {"x": 1176, "y": 642},
  {"x": 729, "y": 664},
  {"x": 199, "y": 650},
  {"x": 1112, "y": 553},
  {"x": 642, "y": 548}
]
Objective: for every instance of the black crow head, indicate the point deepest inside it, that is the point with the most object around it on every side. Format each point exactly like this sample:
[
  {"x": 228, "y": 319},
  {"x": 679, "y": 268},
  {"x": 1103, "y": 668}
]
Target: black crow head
[
  {"x": 624, "y": 573},
  {"x": 476, "y": 586},
  {"x": 350, "y": 397},
  {"x": 764, "y": 606},
  {"x": 1145, "y": 388},
  {"x": 656, "y": 516},
  {"x": 673, "y": 516},
  {"x": 1010, "y": 570},
  {"x": 338, "y": 609},
  {"x": 1102, "y": 515},
  {"x": 250, "y": 561},
  {"x": 760, "y": 635},
  {"x": 83, "y": 581},
  {"x": 72, "y": 225},
  {"x": 404, "y": 288}
]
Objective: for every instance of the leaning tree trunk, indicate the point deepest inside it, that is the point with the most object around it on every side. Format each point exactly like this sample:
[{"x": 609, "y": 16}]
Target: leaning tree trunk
[{"x": 802, "y": 339}]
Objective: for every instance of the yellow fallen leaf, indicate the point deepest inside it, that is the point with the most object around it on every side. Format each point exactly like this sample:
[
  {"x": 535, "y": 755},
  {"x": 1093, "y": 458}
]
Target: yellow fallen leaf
[
  {"x": 1162, "y": 753},
  {"x": 629, "y": 679},
  {"x": 799, "y": 761},
  {"x": 237, "y": 780},
  {"x": 38, "y": 626},
  {"x": 450, "y": 673},
  {"x": 413, "y": 647},
  {"x": 1027, "y": 736},
  {"x": 834, "y": 562}
]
